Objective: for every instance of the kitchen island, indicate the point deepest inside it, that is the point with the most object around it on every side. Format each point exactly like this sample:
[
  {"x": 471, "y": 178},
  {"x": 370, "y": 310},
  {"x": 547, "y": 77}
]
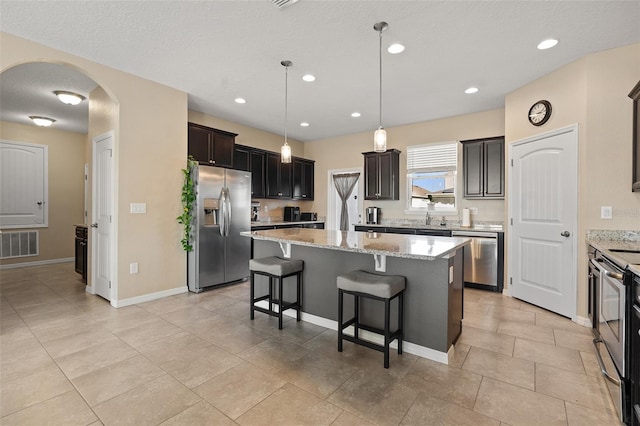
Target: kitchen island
[{"x": 433, "y": 267}]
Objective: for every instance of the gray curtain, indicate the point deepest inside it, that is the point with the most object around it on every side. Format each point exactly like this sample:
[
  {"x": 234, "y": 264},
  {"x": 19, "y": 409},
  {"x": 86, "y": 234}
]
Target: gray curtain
[{"x": 344, "y": 185}]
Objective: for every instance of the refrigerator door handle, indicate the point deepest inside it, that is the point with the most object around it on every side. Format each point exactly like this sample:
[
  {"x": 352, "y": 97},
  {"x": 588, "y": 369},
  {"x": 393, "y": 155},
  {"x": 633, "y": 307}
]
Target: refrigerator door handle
[
  {"x": 223, "y": 215},
  {"x": 227, "y": 223}
]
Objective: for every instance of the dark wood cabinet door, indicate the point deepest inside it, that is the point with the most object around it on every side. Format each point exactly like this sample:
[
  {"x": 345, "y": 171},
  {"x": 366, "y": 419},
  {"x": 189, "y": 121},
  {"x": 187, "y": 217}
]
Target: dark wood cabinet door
[
  {"x": 223, "y": 147},
  {"x": 483, "y": 168},
  {"x": 494, "y": 168},
  {"x": 242, "y": 158},
  {"x": 635, "y": 144},
  {"x": 386, "y": 176},
  {"x": 472, "y": 169},
  {"x": 258, "y": 163},
  {"x": 286, "y": 179},
  {"x": 308, "y": 179},
  {"x": 199, "y": 144},
  {"x": 273, "y": 165},
  {"x": 302, "y": 186},
  {"x": 371, "y": 177}
]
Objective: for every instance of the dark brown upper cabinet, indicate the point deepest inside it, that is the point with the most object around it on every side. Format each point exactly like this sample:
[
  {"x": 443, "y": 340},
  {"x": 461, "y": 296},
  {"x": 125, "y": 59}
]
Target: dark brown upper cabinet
[
  {"x": 211, "y": 147},
  {"x": 635, "y": 95},
  {"x": 258, "y": 173},
  {"x": 483, "y": 168},
  {"x": 381, "y": 175},
  {"x": 302, "y": 179},
  {"x": 278, "y": 177}
]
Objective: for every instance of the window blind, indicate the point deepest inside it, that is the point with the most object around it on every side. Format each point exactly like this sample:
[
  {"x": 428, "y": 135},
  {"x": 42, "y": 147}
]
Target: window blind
[{"x": 432, "y": 157}]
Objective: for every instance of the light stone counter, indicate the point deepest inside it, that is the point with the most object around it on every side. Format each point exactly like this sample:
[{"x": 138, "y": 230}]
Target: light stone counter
[{"x": 420, "y": 247}]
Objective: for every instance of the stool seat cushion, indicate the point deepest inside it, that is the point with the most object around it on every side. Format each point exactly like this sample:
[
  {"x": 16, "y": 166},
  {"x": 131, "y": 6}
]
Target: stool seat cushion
[
  {"x": 276, "y": 266},
  {"x": 385, "y": 286}
]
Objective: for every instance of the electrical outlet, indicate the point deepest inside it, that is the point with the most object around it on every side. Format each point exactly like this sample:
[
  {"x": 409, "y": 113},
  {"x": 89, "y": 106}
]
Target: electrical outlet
[
  {"x": 473, "y": 210},
  {"x": 138, "y": 208},
  {"x": 606, "y": 212},
  {"x": 133, "y": 268}
]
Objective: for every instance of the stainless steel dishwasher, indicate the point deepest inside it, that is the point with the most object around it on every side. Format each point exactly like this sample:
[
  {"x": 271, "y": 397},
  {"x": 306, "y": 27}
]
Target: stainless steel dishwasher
[{"x": 480, "y": 258}]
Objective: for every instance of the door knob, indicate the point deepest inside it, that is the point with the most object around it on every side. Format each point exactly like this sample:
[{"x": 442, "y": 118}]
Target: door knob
[
  {"x": 565, "y": 234},
  {"x": 94, "y": 225}
]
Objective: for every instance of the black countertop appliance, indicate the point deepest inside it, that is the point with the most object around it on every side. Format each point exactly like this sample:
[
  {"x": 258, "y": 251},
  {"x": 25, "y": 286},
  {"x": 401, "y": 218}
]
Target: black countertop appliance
[{"x": 291, "y": 214}]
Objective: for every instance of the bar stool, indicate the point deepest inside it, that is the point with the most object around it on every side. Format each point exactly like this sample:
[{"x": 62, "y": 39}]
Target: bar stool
[
  {"x": 377, "y": 287},
  {"x": 276, "y": 269}
]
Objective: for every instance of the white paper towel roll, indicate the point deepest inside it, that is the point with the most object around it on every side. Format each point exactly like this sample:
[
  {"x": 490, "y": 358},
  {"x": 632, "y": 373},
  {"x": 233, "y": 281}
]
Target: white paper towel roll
[{"x": 466, "y": 218}]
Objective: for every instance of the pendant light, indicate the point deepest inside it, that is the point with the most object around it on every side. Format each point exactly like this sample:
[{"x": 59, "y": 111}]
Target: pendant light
[
  {"x": 380, "y": 136},
  {"x": 285, "y": 151}
]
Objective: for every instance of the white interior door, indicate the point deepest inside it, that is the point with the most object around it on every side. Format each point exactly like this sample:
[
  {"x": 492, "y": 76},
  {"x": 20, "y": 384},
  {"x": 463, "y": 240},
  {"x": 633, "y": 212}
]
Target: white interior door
[
  {"x": 334, "y": 203},
  {"x": 102, "y": 224},
  {"x": 543, "y": 201}
]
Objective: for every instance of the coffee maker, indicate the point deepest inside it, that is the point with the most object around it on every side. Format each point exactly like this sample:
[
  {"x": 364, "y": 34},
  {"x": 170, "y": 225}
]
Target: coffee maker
[
  {"x": 373, "y": 215},
  {"x": 255, "y": 211}
]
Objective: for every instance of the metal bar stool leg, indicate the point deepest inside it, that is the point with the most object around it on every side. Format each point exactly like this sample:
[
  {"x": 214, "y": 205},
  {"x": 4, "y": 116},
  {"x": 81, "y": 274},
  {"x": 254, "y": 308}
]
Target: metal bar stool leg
[
  {"x": 356, "y": 308},
  {"x": 298, "y": 295},
  {"x": 252, "y": 290},
  {"x": 340, "y": 299},
  {"x": 387, "y": 315},
  {"x": 280, "y": 297},
  {"x": 400, "y": 321}
]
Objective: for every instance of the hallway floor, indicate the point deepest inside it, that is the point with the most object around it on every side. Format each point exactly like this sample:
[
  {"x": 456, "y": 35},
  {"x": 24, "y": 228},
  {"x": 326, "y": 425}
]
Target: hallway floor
[{"x": 69, "y": 358}]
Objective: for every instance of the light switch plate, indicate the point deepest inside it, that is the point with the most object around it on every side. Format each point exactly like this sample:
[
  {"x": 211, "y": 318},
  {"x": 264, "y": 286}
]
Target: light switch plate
[
  {"x": 606, "y": 212},
  {"x": 137, "y": 208},
  {"x": 133, "y": 268},
  {"x": 473, "y": 210}
]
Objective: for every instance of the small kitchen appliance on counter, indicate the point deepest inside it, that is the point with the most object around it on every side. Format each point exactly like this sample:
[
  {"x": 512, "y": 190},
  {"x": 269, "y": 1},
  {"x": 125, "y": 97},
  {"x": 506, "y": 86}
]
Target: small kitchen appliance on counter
[
  {"x": 255, "y": 211},
  {"x": 374, "y": 215},
  {"x": 291, "y": 214},
  {"x": 308, "y": 216}
]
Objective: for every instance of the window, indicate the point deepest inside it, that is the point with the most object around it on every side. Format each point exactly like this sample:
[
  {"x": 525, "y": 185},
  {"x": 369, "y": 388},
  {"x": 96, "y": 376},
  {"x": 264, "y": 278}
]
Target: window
[
  {"x": 431, "y": 171},
  {"x": 23, "y": 185}
]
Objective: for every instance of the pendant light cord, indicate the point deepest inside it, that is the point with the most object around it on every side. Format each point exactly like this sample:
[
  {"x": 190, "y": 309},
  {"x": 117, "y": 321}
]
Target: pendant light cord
[
  {"x": 380, "y": 112},
  {"x": 286, "y": 89}
]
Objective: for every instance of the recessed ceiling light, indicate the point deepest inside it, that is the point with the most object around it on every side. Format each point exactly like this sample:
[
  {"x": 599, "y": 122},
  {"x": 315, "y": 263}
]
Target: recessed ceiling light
[
  {"x": 547, "y": 44},
  {"x": 304, "y": 124},
  {"x": 241, "y": 101},
  {"x": 69, "y": 98},
  {"x": 471, "y": 90},
  {"x": 42, "y": 121},
  {"x": 355, "y": 114},
  {"x": 309, "y": 77},
  {"x": 395, "y": 48}
]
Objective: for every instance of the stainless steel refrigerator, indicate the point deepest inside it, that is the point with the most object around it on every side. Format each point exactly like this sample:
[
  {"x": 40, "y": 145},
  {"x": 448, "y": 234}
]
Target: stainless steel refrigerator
[{"x": 220, "y": 255}]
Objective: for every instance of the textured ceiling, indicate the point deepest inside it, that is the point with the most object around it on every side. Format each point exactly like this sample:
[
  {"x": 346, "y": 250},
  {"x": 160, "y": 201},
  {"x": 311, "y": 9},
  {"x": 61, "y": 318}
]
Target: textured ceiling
[{"x": 219, "y": 50}]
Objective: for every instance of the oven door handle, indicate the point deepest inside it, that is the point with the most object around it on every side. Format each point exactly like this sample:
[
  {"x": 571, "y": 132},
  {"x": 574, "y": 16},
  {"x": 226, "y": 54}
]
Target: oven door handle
[
  {"x": 614, "y": 275},
  {"x": 603, "y": 369}
]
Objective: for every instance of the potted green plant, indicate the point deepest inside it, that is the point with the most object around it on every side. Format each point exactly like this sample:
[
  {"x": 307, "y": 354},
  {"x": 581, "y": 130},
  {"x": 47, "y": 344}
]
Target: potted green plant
[{"x": 188, "y": 203}]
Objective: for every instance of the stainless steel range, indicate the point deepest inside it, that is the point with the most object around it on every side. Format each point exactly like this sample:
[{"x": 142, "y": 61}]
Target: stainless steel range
[{"x": 616, "y": 327}]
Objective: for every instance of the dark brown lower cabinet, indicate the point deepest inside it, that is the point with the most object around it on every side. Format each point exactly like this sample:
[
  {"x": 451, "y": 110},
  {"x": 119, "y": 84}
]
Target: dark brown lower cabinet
[{"x": 81, "y": 251}]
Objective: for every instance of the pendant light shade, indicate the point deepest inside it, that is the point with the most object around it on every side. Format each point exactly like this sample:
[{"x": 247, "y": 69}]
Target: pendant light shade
[
  {"x": 380, "y": 136},
  {"x": 285, "y": 151}
]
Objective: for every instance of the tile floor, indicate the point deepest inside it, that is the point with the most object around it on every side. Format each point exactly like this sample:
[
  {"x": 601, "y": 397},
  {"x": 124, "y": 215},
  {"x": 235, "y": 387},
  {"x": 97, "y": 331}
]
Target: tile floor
[{"x": 69, "y": 358}]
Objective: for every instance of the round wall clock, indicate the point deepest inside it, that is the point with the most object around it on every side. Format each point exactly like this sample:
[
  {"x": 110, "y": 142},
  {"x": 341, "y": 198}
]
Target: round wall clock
[{"x": 539, "y": 113}]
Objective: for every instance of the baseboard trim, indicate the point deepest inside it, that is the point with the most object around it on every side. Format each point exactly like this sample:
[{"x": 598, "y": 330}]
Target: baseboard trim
[
  {"x": 412, "y": 348},
  {"x": 36, "y": 263},
  {"x": 585, "y": 322},
  {"x": 149, "y": 297}
]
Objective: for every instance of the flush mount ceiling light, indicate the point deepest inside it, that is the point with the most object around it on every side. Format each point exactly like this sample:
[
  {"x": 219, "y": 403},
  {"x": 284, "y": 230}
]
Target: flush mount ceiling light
[
  {"x": 471, "y": 90},
  {"x": 395, "y": 48},
  {"x": 69, "y": 98},
  {"x": 42, "y": 121},
  {"x": 309, "y": 77},
  {"x": 355, "y": 114},
  {"x": 304, "y": 124},
  {"x": 240, "y": 101},
  {"x": 285, "y": 150},
  {"x": 380, "y": 136},
  {"x": 547, "y": 44}
]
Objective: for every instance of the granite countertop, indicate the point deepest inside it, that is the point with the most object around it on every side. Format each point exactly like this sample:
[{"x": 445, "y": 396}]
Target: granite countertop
[
  {"x": 447, "y": 227},
  {"x": 606, "y": 246},
  {"x": 397, "y": 245},
  {"x": 281, "y": 222}
]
